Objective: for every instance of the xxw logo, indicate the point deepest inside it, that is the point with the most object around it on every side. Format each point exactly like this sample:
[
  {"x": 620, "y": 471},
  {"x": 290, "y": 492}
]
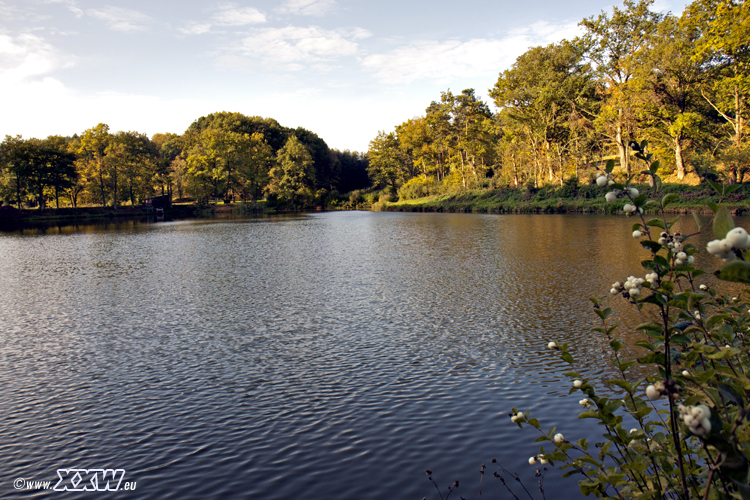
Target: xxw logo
[{"x": 89, "y": 479}]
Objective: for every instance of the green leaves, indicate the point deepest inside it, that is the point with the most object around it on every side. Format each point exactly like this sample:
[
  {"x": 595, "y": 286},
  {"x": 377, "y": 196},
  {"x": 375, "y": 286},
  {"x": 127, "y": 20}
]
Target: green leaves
[
  {"x": 723, "y": 223},
  {"x": 610, "y": 166},
  {"x": 719, "y": 188},
  {"x": 654, "y": 167},
  {"x": 697, "y": 220},
  {"x": 737, "y": 271},
  {"x": 668, "y": 198}
]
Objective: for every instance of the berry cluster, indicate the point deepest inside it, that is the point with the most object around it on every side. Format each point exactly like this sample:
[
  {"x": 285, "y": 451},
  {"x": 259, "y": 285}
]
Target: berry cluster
[
  {"x": 737, "y": 240},
  {"x": 612, "y": 196},
  {"x": 655, "y": 391},
  {"x": 697, "y": 418},
  {"x": 632, "y": 286},
  {"x": 604, "y": 180}
]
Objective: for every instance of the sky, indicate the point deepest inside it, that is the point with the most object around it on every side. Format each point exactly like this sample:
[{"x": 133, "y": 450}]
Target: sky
[{"x": 344, "y": 69}]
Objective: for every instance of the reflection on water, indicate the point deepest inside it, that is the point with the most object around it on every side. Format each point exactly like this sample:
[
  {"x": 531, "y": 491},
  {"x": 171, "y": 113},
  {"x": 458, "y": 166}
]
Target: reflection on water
[{"x": 333, "y": 355}]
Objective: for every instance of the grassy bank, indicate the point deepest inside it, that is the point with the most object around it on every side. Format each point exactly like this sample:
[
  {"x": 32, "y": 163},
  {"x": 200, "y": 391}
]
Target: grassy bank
[{"x": 562, "y": 199}]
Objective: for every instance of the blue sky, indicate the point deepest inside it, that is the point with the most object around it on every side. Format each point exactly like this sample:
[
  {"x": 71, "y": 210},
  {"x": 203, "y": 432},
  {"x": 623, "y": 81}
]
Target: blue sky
[{"x": 343, "y": 69}]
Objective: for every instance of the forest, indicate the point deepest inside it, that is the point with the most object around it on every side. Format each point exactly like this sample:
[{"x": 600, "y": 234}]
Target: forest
[
  {"x": 681, "y": 83},
  {"x": 222, "y": 156}
]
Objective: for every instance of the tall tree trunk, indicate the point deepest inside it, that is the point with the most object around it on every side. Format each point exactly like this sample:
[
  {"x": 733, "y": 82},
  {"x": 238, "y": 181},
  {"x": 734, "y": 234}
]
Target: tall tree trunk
[
  {"x": 114, "y": 204},
  {"x": 679, "y": 161},
  {"x": 621, "y": 147},
  {"x": 101, "y": 182}
]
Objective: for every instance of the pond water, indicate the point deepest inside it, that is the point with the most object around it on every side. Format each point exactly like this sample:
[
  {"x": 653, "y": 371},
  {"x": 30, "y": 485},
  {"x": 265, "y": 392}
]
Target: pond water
[{"x": 317, "y": 356}]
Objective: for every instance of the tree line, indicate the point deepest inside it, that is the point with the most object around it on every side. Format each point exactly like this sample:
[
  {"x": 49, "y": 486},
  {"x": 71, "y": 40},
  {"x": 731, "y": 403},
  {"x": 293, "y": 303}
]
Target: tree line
[
  {"x": 681, "y": 83},
  {"x": 222, "y": 156}
]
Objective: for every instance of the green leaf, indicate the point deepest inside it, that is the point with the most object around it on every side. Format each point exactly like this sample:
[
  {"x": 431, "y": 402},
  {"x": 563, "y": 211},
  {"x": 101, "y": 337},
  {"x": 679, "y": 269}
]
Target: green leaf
[
  {"x": 713, "y": 206},
  {"x": 737, "y": 271},
  {"x": 651, "y": 245},
  {"x": 644, "y": 344},
  {"x": 616, "y": 345},
  {"x": 567, "y": 357},
  {"x": 668, "y": 198},
  {"x": 723, "y": 223},
  {"x": 656, "y": 223},
  {"x": 640, "y": 200},
  {"x": 654, "y": 167},
  {"x": 732, "y": 188},
  {"x": 610, "y": 166},
  {"x": 697, "y": 221},
  {"x": 637, "y": 226},
  {"x": 655, "y": 327},
  {"x": 717, "y": 187},
  {"x": 603, "y": 314}
]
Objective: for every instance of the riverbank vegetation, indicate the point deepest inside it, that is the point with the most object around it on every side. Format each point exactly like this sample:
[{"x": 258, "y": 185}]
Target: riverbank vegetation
[
  {"x": 223, "y": 157},
  {"x": 680, "y": 82},
  {"x": 562, "y": 111}
]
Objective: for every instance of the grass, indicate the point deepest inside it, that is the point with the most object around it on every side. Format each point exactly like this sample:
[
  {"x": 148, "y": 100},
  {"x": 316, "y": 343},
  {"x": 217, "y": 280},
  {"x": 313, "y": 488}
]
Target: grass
[{"x": 565, "y": 199}]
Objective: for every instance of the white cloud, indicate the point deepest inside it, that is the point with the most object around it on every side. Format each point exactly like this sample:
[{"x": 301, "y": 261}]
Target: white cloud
[
  {"x": 307, "y": 7},
  {"x": 452, "y": 59},
  {"x": 195, "y": 29},
  {"x": 119, "y": 19},
  {"x": 231, "y": 15},
  {"x": 6, "y": 11},
  {"x": 291, "y": 48},
  {"x": 26, "y": 56},
  {"x": 70, "y": 4}
]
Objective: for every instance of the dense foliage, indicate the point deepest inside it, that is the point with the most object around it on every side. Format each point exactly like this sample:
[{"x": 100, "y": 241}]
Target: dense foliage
[
  {"x": 222, "y": 156},
  {"x": 690, "y": 431},
  {"x": 682, "y": 83}
]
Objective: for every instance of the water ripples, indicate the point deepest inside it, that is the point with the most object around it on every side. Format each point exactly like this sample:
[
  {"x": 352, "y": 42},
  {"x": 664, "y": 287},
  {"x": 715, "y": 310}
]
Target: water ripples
[{"x": 331, "y": 355}]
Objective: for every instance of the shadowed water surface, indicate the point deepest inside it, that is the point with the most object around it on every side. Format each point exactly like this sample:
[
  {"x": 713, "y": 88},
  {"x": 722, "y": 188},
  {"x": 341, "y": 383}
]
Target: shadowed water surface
[{"x": 322, "y": 356}]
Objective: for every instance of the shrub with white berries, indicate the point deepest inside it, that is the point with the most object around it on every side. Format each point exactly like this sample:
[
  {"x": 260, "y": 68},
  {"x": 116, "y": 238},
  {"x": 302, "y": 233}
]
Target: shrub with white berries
[
  {"x": 697, "y": 418},
  {"x": 655, "y": 391},
  {"x": 700, "y": 354},
  {"x": 518, "y": 416},
  {"x": 603, "y": 180},
  {"x": 632, "y": 286},
  {"x": 612, "y": 196},
  {"x": 736, "y": 240}
]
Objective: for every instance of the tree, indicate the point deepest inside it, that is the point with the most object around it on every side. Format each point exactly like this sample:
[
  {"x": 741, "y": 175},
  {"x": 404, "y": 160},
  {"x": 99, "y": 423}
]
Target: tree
[
  {"x": 542, "y": 93},
  {"x": 91, "y": 150},
  {"x": 615, "y": 45},
  {"x": 724, "y": 51},
  {"x": 668, "y": 84},
  {"x": 15, "y": 156},
  {"x": 384, "y": 157},
  {"x": 169, "y": 147},
  {"x": 256, "y": 161},
  {"x": 132, "y": 156},
  {"x": 294, "y": 175}
]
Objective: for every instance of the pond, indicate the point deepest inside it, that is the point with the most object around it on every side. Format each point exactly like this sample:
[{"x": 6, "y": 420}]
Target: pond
[{"x": 315, "y": 356}]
